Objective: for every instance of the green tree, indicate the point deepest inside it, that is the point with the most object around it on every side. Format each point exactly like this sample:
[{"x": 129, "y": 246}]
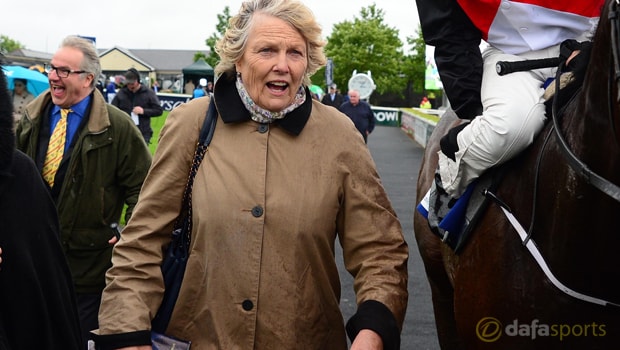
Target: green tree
[
  {"x": 367, "y": 44},
  {"x": 414, "y": 64},
  {"x": 8, "y": 45},
  {"x": 222, "y": 23}
]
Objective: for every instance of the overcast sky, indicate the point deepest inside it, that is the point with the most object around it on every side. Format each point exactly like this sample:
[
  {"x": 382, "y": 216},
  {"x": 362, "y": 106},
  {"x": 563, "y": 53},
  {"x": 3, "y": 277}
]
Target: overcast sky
[{"x": 158, "y": 24}]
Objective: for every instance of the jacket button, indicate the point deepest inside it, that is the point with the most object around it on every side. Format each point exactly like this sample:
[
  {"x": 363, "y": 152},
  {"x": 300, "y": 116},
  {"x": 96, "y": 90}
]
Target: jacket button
[
  {"x": 257, "y": 211},
  {"x": 263, "y": 128},
  {"x": 247, "y": 305}
]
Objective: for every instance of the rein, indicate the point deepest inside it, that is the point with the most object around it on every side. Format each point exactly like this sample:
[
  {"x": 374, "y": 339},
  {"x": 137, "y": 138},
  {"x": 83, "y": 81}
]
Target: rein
[
  {"x": 615, "y": 35},
  {"x": 592, "y": 178},
  {"x": 613, "y": 17},
  {"x": 604, "y": 185}
]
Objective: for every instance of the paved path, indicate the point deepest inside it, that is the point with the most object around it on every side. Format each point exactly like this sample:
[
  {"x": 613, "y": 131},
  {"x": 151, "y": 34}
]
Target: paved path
[{"x": 398, "y": 160}]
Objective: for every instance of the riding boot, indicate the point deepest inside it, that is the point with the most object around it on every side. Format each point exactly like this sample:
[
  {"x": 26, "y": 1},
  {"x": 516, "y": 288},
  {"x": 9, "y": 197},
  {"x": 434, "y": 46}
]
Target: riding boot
[{"x": 440, "y": 204}]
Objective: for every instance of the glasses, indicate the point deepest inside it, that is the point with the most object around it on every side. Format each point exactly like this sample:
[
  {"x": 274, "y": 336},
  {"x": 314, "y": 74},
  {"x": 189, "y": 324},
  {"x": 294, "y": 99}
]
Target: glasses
[{"x": 62, "y": 72}]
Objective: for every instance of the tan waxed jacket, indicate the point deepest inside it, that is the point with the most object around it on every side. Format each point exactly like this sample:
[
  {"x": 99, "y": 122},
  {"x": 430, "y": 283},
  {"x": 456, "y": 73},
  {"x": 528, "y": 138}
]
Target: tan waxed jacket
[{"x": 268, "y": 207}]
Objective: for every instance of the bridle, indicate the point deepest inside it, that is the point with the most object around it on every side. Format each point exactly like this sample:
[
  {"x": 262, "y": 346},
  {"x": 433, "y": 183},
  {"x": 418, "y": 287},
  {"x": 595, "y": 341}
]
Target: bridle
[
  {"x": 615, "y": 36},
  {"x": 610, "y": 189},
  {"x": 614, "y": 20}
]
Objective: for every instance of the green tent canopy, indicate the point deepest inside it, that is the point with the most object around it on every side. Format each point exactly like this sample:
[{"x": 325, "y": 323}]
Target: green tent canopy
[{"x": 198, "y": 70}]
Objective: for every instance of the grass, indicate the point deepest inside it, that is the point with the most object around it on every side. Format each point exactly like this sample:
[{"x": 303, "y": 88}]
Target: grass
[
  {"x": 421, "y": 114},
  {"x": 156, "y": 124}
]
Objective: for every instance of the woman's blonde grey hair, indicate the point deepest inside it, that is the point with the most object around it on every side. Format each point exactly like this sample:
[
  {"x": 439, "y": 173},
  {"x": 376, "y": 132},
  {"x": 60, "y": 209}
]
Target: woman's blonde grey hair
[
  {"x": 90, "y": 62},
  {"x": 232, "y": 45}
]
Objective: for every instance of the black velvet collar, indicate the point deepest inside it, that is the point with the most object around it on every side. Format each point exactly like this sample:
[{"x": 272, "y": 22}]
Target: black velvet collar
[{"x": 231, "y": 108}]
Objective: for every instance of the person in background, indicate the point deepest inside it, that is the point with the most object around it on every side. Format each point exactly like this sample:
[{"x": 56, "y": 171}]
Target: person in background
[
  {"x": 110, "y": 90},
  {"x": 189, "y": 87},
  {"x": 92, "y": 173},
  {"x": 425, "y": 103},
  {"x": 21, "y": 97},
  {"x": 332, "y": 97},
  {"x": 209, "y": 88},
  {"x": 99, "y": 86},
  {"x": 155, "y": 86},
  {"x": 200, "y": 91},
  {"x": 37, "y": 301},
  {"x": 139, "y": 102},
  {"x": 360, "y": 113},
  {"x": 262, "y": 272},
  {"x": 506, "y": 112}
]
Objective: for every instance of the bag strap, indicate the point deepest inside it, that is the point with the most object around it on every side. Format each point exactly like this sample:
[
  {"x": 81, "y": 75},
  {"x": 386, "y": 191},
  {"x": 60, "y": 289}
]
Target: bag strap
[{"x": 206, "y": 134}]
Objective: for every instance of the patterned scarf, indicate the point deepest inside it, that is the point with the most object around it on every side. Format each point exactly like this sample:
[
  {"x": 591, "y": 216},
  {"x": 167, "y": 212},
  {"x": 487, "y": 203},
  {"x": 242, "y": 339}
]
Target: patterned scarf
[{"x": 261, "y": 115}]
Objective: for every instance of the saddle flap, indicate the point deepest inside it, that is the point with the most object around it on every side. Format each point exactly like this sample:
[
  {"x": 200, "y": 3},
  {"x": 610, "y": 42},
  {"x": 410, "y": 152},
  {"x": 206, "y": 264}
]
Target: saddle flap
[{"x": 455, "y": 227}]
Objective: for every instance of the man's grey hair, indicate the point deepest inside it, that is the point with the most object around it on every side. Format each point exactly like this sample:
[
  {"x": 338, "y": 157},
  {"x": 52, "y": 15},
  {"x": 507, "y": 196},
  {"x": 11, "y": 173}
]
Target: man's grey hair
[{"x": 90, "y": 63}]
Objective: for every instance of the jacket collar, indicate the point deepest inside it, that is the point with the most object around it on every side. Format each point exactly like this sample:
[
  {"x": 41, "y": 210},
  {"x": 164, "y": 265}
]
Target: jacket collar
[
  {"x": 232, "y": 110},
  {"x": 96, "y": 113}
]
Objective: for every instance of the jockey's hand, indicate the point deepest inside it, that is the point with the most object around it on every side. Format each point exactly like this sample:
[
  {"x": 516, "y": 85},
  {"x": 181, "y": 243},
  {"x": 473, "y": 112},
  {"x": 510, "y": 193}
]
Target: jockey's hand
[{"x": 577, "y": 55}]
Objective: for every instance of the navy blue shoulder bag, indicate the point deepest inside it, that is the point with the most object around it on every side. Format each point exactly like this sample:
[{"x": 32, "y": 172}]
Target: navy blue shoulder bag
[{"x": 177, "y": 253}]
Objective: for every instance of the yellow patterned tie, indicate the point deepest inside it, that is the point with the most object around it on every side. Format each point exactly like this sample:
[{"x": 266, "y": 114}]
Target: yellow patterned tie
[{"x": 56, "y": 148}]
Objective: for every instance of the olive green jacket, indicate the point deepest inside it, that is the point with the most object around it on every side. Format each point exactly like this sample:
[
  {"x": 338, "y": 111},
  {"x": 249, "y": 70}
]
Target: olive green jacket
[{"x": 106, "y": 169}]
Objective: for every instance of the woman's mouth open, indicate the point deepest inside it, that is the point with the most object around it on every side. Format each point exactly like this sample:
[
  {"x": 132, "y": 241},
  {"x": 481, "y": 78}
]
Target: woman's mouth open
[{"x": 277, "y": 87}]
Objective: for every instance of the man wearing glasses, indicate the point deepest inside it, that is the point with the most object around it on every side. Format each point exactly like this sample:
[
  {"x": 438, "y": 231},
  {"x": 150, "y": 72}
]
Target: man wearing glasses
[
  {"x": 94, "y": 161},
  {"x": 140, "y": 102}
]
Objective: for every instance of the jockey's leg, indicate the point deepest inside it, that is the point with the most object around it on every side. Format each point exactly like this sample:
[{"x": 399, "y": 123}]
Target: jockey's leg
[{"x": 513, "y": 114}]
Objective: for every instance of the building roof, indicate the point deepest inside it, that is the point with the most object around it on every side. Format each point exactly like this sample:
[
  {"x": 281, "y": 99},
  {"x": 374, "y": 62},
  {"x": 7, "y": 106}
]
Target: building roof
[
  {"x": 117, "y": 59},
  {"x": 28, "y": 57},
  {"x": 126, "y": 54},
  {"x": 31, "y": 53},
  {"x": 167, "y": 60},
  {"x": 154, "y": 60}
]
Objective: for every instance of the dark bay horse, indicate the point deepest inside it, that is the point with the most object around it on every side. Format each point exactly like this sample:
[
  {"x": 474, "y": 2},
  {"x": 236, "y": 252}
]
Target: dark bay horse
[{"x": 493, "y": 294}]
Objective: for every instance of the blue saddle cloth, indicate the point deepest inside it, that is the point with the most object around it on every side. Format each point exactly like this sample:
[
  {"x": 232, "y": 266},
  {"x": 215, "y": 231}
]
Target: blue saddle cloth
[
  {"x": 455, "y": 225},
  {"x": 454, "y": 220}
]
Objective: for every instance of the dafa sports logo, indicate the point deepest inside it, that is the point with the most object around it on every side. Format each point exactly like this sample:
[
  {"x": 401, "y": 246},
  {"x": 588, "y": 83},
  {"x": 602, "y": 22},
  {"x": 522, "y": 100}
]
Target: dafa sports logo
[{"x": 490, "y": 329}]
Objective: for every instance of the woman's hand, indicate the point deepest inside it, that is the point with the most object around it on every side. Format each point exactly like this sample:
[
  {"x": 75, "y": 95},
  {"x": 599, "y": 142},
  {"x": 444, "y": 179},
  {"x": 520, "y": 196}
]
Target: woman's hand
[{"x": 367, "y": 340}]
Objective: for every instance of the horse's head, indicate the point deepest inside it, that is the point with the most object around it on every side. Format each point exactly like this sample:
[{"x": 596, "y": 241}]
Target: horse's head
[{"x": 602, "y": 81}]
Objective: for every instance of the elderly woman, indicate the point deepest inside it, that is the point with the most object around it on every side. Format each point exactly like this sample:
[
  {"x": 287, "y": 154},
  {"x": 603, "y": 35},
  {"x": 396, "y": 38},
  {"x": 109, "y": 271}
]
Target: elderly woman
[
  {"x": 21, "y": 97},
  {"x": 284, "y": 178}
]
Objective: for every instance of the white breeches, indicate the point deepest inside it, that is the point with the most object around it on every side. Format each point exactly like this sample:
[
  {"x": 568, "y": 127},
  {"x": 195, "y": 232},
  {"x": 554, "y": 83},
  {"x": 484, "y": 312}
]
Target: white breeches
[{"x": 513, "y": 114}]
